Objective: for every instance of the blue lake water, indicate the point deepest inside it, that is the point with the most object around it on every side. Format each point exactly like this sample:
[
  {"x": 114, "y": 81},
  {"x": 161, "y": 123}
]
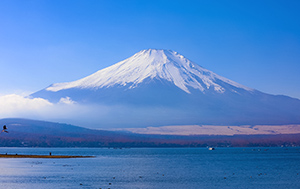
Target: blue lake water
[{"x": 153, "y": 168}]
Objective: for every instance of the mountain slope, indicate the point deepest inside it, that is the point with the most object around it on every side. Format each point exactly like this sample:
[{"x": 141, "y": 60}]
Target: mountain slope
[{"x": 169, "y": 89}]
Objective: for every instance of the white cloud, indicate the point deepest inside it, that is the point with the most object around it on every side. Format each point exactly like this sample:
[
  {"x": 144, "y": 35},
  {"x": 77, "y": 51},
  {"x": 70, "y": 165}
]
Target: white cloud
[
  {"x": 66, "y": 100},
  {"x": 85, "y": 115},
  {"x": 16, "y": 105},
  {"x": 66, "y": 110}
]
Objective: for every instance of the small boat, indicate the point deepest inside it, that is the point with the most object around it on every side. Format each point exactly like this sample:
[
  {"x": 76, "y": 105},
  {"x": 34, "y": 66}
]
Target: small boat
[{"x": 211, "y": 148}]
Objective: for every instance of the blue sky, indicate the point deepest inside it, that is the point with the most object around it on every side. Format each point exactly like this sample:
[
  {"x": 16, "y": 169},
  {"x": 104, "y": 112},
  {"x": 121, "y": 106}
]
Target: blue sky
[{"x": 255, "y": 43}]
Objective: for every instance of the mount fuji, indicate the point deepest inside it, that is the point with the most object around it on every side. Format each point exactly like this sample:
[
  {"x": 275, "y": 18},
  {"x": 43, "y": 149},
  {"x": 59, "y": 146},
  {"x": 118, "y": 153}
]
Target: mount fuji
[{"x": 162, "y": 87}]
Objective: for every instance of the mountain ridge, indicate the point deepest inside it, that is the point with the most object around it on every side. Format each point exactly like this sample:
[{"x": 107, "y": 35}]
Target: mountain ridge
[{"x": 34, "y": 133}]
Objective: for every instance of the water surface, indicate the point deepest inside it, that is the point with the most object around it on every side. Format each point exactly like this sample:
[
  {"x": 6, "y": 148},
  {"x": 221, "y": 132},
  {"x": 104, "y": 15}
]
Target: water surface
[{"x": 153, "y": 168}]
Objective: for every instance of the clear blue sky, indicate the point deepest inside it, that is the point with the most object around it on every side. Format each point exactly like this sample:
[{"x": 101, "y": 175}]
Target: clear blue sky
[{"x": 255, "y": 43}]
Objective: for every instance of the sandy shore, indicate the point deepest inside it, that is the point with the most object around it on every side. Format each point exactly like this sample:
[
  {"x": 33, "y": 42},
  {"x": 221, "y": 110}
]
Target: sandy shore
[{"x": 40, "y": 156}]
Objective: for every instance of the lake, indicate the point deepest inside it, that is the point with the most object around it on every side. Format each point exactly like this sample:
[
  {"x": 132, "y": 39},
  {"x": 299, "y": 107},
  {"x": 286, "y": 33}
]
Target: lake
[{"x": 163, "y": 168}]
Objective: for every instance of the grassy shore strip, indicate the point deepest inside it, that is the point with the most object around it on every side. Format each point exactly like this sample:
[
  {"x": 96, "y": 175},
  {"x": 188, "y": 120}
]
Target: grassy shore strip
[{"x": 41, "y": 156}]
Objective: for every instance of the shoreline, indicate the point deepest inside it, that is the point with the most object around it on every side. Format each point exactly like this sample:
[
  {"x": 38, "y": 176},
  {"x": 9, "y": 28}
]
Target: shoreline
[{"x": 41, "y": 156}]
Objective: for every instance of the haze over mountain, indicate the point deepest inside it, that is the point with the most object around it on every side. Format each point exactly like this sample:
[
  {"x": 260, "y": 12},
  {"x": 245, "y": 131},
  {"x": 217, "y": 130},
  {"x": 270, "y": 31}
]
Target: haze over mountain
[{"x": 161, "y": 87}]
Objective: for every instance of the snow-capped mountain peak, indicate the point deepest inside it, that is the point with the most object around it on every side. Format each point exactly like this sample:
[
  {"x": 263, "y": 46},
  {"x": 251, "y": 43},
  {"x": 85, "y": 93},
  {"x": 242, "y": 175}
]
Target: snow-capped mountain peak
[
  {"x": 149, "y": 64},
  {"x": 162, "y": 87}
]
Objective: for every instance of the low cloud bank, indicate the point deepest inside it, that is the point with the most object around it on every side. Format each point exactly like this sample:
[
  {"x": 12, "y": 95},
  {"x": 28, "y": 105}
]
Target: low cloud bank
[
  {"x": 17, "y": 105},
  {"x": 14, "y": 105},
  {"x": 89, "y": 115},
  {"x": 65, "y": 111}
]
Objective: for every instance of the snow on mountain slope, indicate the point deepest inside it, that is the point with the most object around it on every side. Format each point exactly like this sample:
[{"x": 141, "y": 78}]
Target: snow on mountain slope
[{"x": 160, "y": 64}]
